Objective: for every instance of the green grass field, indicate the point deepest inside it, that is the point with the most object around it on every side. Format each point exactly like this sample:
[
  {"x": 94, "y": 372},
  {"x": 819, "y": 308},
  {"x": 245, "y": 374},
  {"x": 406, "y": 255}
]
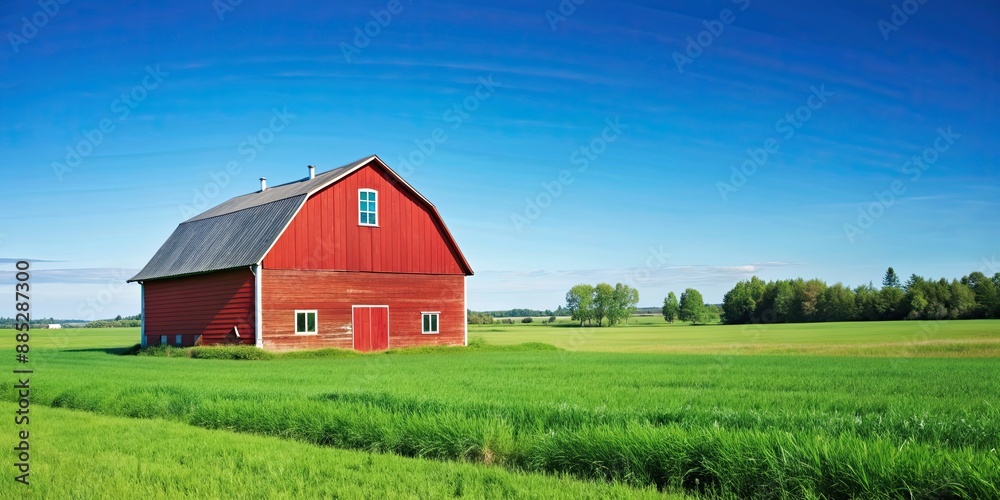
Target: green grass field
[
  {"x": 975, "y": 338},
  {"x": 82, "y": 455},
  {"x": 894, "y": 421}
]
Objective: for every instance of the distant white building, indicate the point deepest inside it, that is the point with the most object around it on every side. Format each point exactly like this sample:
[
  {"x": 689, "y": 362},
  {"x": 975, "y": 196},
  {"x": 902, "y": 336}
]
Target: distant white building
[{"x": 54, "y": 327}]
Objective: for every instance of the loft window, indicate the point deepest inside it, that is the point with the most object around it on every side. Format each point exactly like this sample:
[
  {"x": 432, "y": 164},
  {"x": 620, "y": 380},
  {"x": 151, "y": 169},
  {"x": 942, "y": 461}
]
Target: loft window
[
  {"x": 305, "y": 322},
  {"x": 430, "y": 322},
  {"x": 368, "y": 207}
]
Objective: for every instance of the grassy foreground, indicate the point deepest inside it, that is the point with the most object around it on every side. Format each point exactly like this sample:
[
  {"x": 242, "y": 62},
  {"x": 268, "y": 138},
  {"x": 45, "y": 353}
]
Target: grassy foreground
[
  {"x": 737, "y": 425},
  {"x": 81, "y": 455}
]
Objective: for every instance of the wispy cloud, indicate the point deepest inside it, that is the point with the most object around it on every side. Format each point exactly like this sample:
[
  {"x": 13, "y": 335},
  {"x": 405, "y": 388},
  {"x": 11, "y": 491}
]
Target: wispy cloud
[
  {"x": 74, "y": 276},
  {"x": 8, "y": 260}
]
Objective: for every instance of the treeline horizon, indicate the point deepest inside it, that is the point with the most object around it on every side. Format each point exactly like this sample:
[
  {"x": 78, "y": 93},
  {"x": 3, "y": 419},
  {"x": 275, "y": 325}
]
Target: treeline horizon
[
  {"x": 974, "y": 296},
  {"x": 116, "y": 322}
]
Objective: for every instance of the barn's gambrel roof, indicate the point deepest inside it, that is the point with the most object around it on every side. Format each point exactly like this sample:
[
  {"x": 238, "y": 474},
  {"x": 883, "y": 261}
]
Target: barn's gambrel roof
[{"x": 240, "y": 231}]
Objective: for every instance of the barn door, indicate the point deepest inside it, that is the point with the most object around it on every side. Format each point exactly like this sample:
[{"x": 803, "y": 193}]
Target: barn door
[{"x": 371, "y": 328}]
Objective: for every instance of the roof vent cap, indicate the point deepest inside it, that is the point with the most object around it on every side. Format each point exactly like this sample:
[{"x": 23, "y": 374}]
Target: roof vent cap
[
  {"x": 312, "y": 172},
  {"x": 263, "y": 184}
]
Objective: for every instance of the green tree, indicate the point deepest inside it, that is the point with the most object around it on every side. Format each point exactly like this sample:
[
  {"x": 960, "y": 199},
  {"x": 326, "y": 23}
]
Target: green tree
[
  {"x": 806, "y": 300},
  {"x": 866, "y": 303},
  {"x": 623, "y": 304},
  {"x": 996, "y": 286},
  {"x": 782, "y": 299},
  {"x": 891, "y": 304},
  {"x": 740, "y": 305},
  {"x": 671, "y": 308},
  {"x": 962, "y": 301},
  {"x": 890, "y": 279},
  {"x": 692, "y": 307},
  {"x": 987, "y": 298},
  {"x": 836, "y": 303},
  {"x": 604, "y": 298},
  {"x": 580, "y": 302},
  {"x": 917, "y": 305}
]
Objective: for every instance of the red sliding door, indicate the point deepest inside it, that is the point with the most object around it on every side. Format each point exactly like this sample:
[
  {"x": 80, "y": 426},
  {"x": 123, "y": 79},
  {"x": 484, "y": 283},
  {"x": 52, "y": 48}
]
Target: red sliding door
[{"x": 371, "y": 328}]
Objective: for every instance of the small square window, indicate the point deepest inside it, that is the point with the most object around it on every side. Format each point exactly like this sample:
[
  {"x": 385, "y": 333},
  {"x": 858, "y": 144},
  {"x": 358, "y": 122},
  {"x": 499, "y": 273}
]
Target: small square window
[
  {"x": 430, "y": 322},
  {"x": 305, "y": 322},
  {"x": 163, "y": 340},
  {"x": 178, "y": 340}
]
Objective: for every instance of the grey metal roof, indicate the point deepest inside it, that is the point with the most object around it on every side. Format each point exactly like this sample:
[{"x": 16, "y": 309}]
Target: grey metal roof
[
  {"x": 235, "y": 239},
  {"x": 240, "y": 231},
  {"x": 237, "y": 232}
]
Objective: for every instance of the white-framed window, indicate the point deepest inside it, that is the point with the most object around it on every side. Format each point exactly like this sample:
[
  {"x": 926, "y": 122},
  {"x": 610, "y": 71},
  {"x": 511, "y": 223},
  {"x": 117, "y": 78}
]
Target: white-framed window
[
  {"x": 305, "y": 322},
  {"x": 367, "y": 207},
  {"x": 163, "y": 340},
  {"x": 429, "y": 322},
  {"x": 178, "y": 340}
]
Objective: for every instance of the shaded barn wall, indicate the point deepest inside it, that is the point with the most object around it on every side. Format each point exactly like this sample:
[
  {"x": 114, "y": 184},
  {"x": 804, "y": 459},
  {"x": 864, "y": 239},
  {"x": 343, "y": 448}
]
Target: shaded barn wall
[
  {"x": 325, "y": 234},
  {"x": 332, "y": 294},
  {"x": 206, "y": 305}
]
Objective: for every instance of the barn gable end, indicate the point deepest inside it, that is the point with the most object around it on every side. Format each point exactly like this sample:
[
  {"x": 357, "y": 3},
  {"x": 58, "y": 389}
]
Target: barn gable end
[{"x": 325, "y": 234}]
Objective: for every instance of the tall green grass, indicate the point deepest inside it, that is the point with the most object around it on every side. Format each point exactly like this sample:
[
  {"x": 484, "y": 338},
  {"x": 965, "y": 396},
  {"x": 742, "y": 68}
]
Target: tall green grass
[
  {"x": 732, "y": 425},
  {"x": 251, "y": 353},
  {"x": 81, "y": 455}
]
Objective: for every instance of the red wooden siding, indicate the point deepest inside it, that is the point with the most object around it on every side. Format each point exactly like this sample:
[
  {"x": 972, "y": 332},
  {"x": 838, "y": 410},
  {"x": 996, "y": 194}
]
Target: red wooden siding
[
  {"x": 333, "y": 294},
  {"x": 325, "y": 234},
  {"x": 371, "y": 328},
  {"x": 205, "y": 305}
]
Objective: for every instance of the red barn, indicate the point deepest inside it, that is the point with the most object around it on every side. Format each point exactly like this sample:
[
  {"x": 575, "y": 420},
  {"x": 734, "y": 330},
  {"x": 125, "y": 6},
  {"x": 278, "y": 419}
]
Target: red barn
[{"x": 352, "y": 258}]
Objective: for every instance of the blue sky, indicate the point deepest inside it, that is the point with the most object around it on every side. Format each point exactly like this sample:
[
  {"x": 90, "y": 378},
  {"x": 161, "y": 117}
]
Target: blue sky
[{"x": 603, "y": 147}]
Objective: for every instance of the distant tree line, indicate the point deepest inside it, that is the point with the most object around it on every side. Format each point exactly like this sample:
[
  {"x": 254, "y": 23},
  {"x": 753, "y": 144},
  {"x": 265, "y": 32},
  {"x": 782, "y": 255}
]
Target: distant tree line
[
  {"x": 602, "y": 304},
  {"x": 520, "y": 313},
  {"x": 118, "y": 322},
  {"x": 803, "y": 301},
  {"x": 12, "y": 322}
]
